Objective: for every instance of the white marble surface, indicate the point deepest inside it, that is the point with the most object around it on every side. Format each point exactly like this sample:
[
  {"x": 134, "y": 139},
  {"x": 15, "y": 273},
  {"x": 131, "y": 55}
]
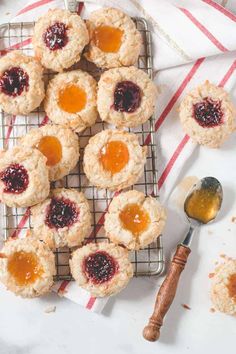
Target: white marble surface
[{"x": 26, "y": 329}]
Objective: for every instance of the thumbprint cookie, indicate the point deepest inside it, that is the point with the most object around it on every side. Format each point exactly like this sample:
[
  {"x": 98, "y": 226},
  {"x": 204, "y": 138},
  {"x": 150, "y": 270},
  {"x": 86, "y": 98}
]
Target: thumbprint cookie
[
  {"x": 208, "y": 115},
  {"x": 23, "y": 177},
  {"x": 223, "y": 289},
  {"x": 114, "y": 159},
  {"x": 71, "y": 100},
  {"x": 126, "y": 97},
  {"x": 134, "y": 220},
  {"x": 58, "y": 144},
  {"x": 59, "y": 39},
  {"x": 63, "y": 219},
  {"x": 27, "y": 267},
  {"x": 21, "y": 83},
  {"x": 103, "y": 269},
  {"x": 114, "y": 39}
]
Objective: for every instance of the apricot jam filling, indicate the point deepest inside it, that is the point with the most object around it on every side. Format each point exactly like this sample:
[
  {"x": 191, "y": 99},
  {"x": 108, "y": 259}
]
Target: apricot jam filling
[
  {"x": 24, "y": 267},
  {"x": 134, "y": 218},
  {"x": 72, "y": 99},
  {"x": 100, "y": 267},
  {"x": 114, "y": 156},
  {"x": 232, "y": 286},
  {"x": 51, "y": 148},
  {"x": 108, "y": 38}
]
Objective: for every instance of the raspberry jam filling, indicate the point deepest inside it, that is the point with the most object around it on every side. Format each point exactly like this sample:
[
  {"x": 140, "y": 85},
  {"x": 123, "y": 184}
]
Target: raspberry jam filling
[
  {"x": 24, "y": 267},
  {"x": 127, "y": 97},
  {"x": 107, "y": 38},
  {"x": 208, "y": 113},
  {"x": 72, "y": 99},
  {"x": 55, "y": 37},
  {"x": 50, "y": 147},
  {"x": 134, "y": 218},
  {"x": 232, "y": 286},
  {"x": 61, "y": 213},
  {"x": 14, "y": 81},
  {"x": 100, "y": 267},
  {"x": 114, "y": 156},
  {"x": 15, "y": 178}
]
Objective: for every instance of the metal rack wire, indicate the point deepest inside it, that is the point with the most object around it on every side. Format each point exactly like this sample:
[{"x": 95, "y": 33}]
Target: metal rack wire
[{"x": 16, "y": 221}]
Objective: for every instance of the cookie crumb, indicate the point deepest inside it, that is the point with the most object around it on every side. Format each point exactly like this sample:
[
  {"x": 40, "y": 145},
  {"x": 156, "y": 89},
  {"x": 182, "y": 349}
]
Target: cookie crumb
[
  {"x": 211, "y": 275},
  {"x": 222, "y": 255},
  {"x": 212, "y": 310},
  {"x": 186, "y": 307},
  {"x": 233, "y": 219},
  {"x": 50, "y": 309}
]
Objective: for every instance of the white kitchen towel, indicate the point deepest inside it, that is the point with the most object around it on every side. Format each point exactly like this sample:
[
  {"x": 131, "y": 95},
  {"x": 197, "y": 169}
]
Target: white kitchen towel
[{"x": 200, "y": 32}]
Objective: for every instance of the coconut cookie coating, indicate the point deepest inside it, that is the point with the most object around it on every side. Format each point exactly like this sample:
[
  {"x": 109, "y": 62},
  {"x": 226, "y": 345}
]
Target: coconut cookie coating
[
  {"x": 103, "y": 269},
  {"x": 114, "y": 159},
  {"x": 58, "y": 144},
  {"x": 223, "y": 288},
  {"x": 59, "y": 38},
  {"x": 126, "y": 97},
  {"x": 23, "y": 177},
  {"x": 71, "y": 100},
  {"x": 63, "y": 219},
  {"x": 27, "y": 267},
  {"x": 21, "y": 83},
  {"x": 134, "y": 220},
  {"x": 208, "y": 115},
  {"x": 114, "y": 39}
]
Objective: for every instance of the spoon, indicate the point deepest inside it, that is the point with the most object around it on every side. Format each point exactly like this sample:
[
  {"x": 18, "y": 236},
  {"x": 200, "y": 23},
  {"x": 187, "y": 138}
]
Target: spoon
[{"x": 201, "y": 206}]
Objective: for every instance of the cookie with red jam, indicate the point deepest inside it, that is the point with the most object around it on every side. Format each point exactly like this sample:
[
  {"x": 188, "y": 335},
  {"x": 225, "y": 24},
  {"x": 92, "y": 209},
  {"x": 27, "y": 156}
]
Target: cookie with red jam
[
  {"x": 207, "y": 115},
  {"x": 21, "y": 83},
  {"x": 103, "y": 269},
  {"x": 63, "y": 219},
  {"x": 126, "y": 97},
  {"x": 24, "y": 179},
  {"x": 59, "y": 39}
]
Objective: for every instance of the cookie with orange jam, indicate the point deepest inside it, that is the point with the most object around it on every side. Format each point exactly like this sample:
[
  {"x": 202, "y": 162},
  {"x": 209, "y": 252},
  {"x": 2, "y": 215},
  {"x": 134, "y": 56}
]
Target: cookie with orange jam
[
  {"x": 223, "y": 288},
  {"x": 114, "y": 159},
  {"x": 21, "y": 83},
  {"x": 27, "y": 267},
  {"x": 59, "y": 39},
  {"x": 24, "y": 177},
  {"x": 71, "y": 100},
  {"x": 126, "y": 97},
  {"x": 134, "y": 220},
  {"x": 103, "y": 269},
  {"x": 207, "y": 115},
  {"x": 63, "y": 219},
  {"x": 58, "y": 144},
  {"x": 114, "y": 39}
]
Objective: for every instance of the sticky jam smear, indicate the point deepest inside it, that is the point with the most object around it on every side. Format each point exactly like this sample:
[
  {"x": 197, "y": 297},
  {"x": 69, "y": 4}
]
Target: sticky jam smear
[
  {"x": 72, "y": 99},
  {"x": 114, "y": 156},
  {"x": 24, "y": 267},
  {"x": 55, "y": 37},
  {"x": 51, "y": 148},
  {"x": 232, "y": 286},
  {"x": 61, "y": 213},
  {"x": 14, "y": 81},
  {"x": 134, "y": 218},
  {"x": 100, "y": 267},
  {"x": 107, "y": 38},
  {"x": 15, "y": 178},
  {"x": 208, "y": 113},
  {"x": 127, "y": 97}
]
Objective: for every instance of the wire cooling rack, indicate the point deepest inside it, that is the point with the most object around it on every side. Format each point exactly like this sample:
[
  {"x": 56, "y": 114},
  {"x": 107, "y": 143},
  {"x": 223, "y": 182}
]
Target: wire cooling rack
[{"x": 16, "y": 221}]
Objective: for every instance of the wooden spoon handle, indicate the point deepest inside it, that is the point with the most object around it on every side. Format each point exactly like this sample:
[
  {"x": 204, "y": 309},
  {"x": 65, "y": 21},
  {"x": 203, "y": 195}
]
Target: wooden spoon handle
[{"x": 166, "y": 293}]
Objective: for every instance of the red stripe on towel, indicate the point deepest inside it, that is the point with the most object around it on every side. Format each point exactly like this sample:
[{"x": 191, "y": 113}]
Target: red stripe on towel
[
  {"x": 33, "y": 6},
  {"x": 16, "y": 46},
  {"x": 204, "y": 30},
  {"x": 90, "y": 303},
  {"x": 228, "y": 74},
  {"x": 80, "y": 7},
  {"x": 21, "y": 223},
  {"x": 220, "y": 8}
]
